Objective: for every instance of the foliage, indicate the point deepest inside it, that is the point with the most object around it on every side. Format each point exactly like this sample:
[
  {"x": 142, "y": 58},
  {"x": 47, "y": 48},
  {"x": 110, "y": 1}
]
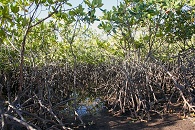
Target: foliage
[
  {"x": 51, "y": 63},
  {"x": 151, "y": 25}
]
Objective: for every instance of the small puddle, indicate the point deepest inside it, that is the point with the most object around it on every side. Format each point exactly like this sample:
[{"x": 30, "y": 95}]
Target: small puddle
[{"x": 90, "y": 107}]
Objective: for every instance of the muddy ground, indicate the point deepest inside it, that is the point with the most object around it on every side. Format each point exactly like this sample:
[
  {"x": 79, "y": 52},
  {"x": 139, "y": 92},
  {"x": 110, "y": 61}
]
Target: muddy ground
[{"x": 170, "y": 122}]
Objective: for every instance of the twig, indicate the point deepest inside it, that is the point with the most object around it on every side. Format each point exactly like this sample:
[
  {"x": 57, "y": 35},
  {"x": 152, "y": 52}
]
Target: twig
[
  {"x": 20, "y": 121},
  {"x": 23, "y": 50},
  {"x": 62, "y": 103},
  {"x": 17, "y": 111},
  {"x": 177, "y": 86},
  {"x": 50, "y": 111}
]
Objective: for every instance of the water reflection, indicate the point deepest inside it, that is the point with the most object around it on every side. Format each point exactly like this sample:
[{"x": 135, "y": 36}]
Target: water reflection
[{"x": 90, "y": 107}]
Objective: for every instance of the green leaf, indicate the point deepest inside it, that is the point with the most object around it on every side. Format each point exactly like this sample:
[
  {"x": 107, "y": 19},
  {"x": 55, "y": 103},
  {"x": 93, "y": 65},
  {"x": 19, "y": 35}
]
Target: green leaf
[
  {"x": 2, "y": 33},
  {"x": 36, "y": 1},
  {"x": 5, "y": 10},
  {"x": 114, "y": 30},
  {"x": 94, "y": 2},
  {"x": 14, "y": 9},
  {"x": 69, "y": 4},
  {"x": 100, "y": 4},
  {"x": 100, "y": 26},
  {"x": 72, "y": 13},
  {"x": 4, "y": 2},
  {"x": 80, "y": 10},
  {"x": 54, "y": 9},
  {"x": 43, "y": 1},
  {"x": 177, "y": 3},
  {"x": 108, "y": 28},
  {"x": 92, "y": 12},
  {"x": 96, "y": 19},
  {"x": 87, "y": 2},
  {"x": 50, "y": 1}
]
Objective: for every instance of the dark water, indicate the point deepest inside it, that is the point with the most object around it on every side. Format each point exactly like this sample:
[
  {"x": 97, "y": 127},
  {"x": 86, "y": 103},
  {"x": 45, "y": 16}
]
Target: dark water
[{"x": 90, "y": 107}]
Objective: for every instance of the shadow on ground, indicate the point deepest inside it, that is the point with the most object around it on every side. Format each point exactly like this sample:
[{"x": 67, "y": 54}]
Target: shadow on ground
[{"x": 170, "y": 122}]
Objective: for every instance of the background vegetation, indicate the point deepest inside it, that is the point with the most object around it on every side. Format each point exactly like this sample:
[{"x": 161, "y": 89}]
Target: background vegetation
[{"x": 143, "y": 63}]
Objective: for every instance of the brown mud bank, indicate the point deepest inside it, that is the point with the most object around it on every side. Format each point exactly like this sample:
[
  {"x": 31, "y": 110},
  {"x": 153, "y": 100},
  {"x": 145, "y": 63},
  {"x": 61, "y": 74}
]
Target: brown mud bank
[{"x": 108, "y": 122}]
